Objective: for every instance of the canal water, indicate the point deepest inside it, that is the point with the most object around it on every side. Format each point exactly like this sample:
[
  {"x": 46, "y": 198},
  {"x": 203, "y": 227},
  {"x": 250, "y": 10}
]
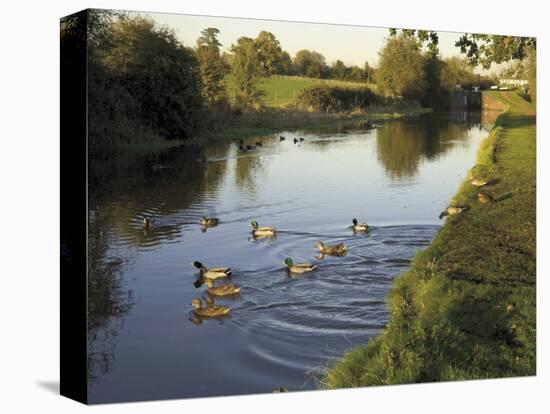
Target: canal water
[{"x": 144, "y": 340}]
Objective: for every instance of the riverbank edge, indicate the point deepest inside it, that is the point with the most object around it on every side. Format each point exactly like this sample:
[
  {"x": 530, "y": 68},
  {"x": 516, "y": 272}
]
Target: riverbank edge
[
  {"x": 466, "y": 309},
  {"x": 274, "y": 121}
]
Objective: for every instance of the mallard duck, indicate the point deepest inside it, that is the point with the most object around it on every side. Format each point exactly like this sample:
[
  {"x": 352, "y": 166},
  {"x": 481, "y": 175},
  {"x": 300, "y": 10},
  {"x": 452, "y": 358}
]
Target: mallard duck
[
  {"x": 484, "y": 198},
  {"x": 299, "y": 267},
  {"x": 262, "y": 231},
  {"x": 451, "y": 211},
  {"x": 147, "y": 222},
  {"x": 209, "y": 311},
  {"x": 295, "y": 140},
  {"x": 209, "y": 221},
  {"x": 302, "y": 139},
  {"x": 477, "y": 182},
  {"x": 223, "y": 290},
  {"x": 213, "y": 273},
  {"x": 281, "y": 138},
  {"x": 336, "y": 249},
  {"x": 359, "y": 226}
]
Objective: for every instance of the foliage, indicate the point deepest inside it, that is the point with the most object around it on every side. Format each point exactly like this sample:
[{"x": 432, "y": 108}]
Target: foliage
[
  {"x": 310, "y": 63},
  {"x": 143, "y": 85},
  {"x": 466, "y": 307},
  {"x": 401, "y": 68},
  {"x": 488, "y": 49},
  {"x": 211, "y": 65},
  {"x": 271, "y": 56},
  {"x": 324, "y": 98},
  {"x": 428, "y": 37},
  {"x": 245, "y": 71}
]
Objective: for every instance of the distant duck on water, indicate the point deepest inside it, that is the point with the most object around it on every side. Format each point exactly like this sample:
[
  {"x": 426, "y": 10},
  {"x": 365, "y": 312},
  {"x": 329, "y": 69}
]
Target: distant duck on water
[
  {"x": 299, "y": 267},
  {"x": 262, "y": 231},
  {"x": 209, "y": 221},
  {"x": 281, "y": 138},
  {"x": 359, "y": 226},
  {"x": 210, "y": 311},
  {"x": 213, "y": 273},
  {"x": 335, "y": 250},
  {"x": 147, "y": 222},
  {"x": 223, "y": 290}
]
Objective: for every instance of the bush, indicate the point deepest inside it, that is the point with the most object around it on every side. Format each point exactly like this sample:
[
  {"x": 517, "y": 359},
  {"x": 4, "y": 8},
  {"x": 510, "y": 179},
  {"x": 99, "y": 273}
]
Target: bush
[{"x": 325, "y": 98}]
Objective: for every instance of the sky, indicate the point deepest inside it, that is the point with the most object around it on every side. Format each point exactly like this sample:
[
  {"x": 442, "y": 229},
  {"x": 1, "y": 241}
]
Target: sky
[{"x": 352, "y": 44}]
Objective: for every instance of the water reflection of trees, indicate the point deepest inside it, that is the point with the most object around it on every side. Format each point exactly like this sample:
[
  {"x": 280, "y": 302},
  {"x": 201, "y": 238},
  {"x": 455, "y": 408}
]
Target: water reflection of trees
[
  {"x": 121, "y": 192},
  {"x": 108, "y": 299},
  {"x": 402, "y": 145}
]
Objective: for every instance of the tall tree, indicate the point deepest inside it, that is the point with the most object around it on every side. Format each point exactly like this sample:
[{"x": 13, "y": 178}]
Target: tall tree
[
  {"x": 339, "y": 70},
  {"x": 401, "y": 68},
  {"x": 270, "y": 53},
  {"x": 245, "y": 71},
  {"x": 212, "y": 67},
  {"x": 310, "y": 63}
]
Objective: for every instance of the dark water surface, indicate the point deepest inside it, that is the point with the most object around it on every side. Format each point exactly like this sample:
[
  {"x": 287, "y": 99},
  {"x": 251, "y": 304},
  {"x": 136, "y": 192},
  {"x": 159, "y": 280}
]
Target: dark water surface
[{"x": 144, "y": 342}]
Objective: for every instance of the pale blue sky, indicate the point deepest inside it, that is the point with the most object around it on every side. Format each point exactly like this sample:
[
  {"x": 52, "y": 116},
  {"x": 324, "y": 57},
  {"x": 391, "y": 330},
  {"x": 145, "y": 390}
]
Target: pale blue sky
[{"x": 351, "y": 44}]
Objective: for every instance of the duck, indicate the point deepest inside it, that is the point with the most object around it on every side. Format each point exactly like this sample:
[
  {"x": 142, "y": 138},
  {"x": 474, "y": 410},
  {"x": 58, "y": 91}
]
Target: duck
[
  {"x": 209, "y": 221},
  {"x": 242, "y": 148},
  {"x": 295, "y": 140},
  {"x": 477, "y": 182},
  {"x": 451, "y": 211},
  {"x": 302, "y": 139},
  {"x": 281, "y": 138},
  {"x": 259, "y": 144},
  {"x": 251, "y": 147},
  {"x": 147, "y": 222},
  {"x": 484, "y": 198},
  {"x": 213, "y": 273},
  {"x": 336, "y": 249},
  {"x": 262, "y": 231},
  {"x": 299, "y": 267},
  {"x": 223, "y": 290},
  {"x": 210, "y": 311},
  {"x": 359, "y": 226}
]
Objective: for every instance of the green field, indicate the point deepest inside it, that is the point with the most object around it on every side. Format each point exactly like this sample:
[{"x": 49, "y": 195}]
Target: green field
[
  {"x": 277, "y": 92},
  {"x": 466, "y": 307}
]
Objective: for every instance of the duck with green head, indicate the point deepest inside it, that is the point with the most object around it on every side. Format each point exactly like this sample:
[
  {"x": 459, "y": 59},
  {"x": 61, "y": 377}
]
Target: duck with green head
[
  {"x": 212, "y": 273},
  {"x": 262, "y": 231},
  {"x": 299, "y": 267}
]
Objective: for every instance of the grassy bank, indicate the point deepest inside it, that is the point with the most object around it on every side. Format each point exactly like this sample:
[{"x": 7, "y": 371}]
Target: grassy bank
[{"x": 466, "y": 307}]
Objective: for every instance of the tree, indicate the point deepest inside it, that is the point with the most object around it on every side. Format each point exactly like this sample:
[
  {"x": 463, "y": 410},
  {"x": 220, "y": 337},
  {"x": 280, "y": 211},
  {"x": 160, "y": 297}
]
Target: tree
[
  {"x": 369, "y": 72},
  {"x": 310, "y": 63},
  {"x": 270, "y": 53},
  {"x": 356, "y": 74},
  {"x": 245, "y": 71},
  {"x": 211, "y": 65},
  {"x": 488, "y": 49},
  {"x": 401, "y": 68},
  {"x": 142, "y": 79},
  {"x": 339, "y": 70}
]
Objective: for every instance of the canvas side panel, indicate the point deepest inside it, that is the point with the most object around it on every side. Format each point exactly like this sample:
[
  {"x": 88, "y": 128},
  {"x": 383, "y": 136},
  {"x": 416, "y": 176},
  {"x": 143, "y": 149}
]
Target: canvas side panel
[{"x": 73, "y": 98}]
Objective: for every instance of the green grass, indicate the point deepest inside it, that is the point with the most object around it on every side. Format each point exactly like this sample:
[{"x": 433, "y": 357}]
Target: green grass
[
  {"x": 278, "y": 92},
  {"x": 466, "y": 307}
]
